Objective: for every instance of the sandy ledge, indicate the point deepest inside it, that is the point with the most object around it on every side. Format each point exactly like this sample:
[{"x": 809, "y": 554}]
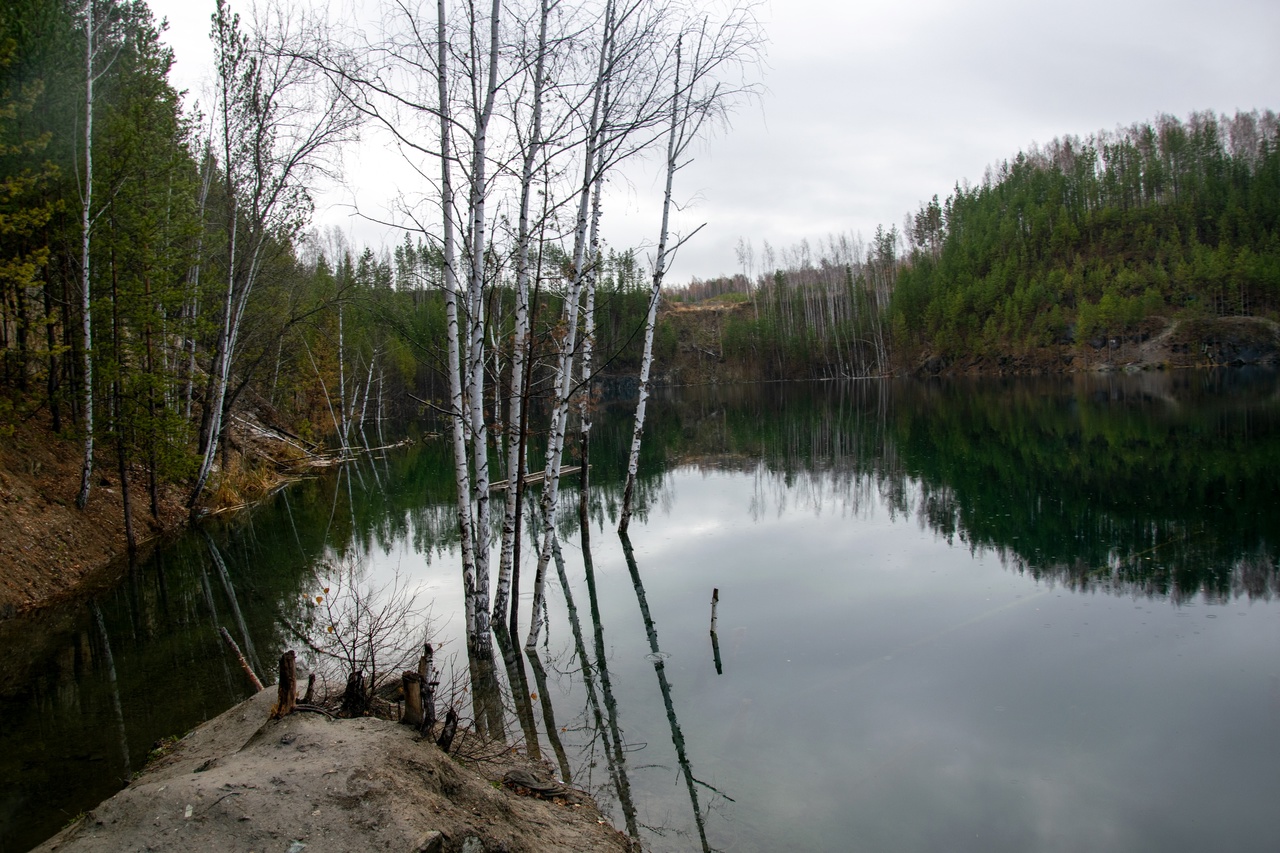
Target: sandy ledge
[{"x": 310, "y": 784}]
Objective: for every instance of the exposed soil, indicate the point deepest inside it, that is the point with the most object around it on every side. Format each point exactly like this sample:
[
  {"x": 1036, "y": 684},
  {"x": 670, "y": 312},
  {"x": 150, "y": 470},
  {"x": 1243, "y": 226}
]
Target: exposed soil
[
  {"x": 306, "y": 782},
  {"x": 48, "y": 547}
]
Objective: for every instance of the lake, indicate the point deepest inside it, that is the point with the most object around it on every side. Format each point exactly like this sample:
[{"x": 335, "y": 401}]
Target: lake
[{"x": 1001, "y": 614}]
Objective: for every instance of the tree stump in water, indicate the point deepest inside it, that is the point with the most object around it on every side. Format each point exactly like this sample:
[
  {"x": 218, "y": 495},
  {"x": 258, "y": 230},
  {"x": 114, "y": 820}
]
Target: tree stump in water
[{"x": 287, "y": 686}]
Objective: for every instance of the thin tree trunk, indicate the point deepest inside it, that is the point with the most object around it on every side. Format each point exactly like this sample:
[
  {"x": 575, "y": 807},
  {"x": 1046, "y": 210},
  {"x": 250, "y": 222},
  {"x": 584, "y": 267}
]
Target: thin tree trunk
[
  {"x": 86, "y": 205},
  {"x": 457, "y": 413},
  {"x": 659, "y": 269},
  {"x": 51, "y": 381},
  {"x": 478, "y": 630},
  {"x": 516, "y": 411}
]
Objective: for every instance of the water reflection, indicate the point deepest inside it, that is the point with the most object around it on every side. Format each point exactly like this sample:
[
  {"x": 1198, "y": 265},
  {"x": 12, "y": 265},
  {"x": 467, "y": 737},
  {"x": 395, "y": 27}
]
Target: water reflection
[
  {"x": 659, "y": 668},
  {"x": 941, "y": 589}
]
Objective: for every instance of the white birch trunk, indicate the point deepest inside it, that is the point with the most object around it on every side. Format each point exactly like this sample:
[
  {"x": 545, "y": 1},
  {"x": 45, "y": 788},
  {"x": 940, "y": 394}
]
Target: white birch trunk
[
  {"x": 342, "y": 386},
  {"x": 516, "y": 414},
  {"x": 456, "y": 411},
  {"x": 659, "y": 269},
  {"x": 479, "y": 630},
  {"x": 86, "y": 223},
  {"x": 564, "y": 373}
]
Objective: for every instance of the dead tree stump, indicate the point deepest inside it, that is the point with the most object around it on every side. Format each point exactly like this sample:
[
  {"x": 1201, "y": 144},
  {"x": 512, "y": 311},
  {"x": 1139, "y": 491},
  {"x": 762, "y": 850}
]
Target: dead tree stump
[
  {"x": 450, "y": 730},
  {"x": 412, "y": 684},
  {"x": 427, "y": 686},
  {"x": 311, "y": 690},
  {"x": 355, "y": 699},
  {"x": 287, "y": 686}
]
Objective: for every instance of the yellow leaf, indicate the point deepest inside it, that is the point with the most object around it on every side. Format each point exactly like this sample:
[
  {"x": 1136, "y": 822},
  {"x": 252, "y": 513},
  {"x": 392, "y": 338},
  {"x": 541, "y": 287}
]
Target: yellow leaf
[
  {"x": 533, "y": 695},
  {"x": 330, "y": 629},
  {"x": 319, "y": 598}
]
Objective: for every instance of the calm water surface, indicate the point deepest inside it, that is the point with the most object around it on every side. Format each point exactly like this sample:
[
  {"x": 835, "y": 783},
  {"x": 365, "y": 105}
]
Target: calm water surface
[{"x": 998, "y": 615}]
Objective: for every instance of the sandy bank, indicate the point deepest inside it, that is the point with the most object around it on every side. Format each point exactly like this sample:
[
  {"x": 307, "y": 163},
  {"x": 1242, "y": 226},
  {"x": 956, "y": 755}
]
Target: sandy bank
[{"x": 309, "y": 783}]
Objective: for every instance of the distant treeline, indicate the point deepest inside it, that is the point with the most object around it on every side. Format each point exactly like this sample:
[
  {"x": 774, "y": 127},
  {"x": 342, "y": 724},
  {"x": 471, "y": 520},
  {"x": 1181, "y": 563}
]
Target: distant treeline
[{"x": 1081, "y": 240}]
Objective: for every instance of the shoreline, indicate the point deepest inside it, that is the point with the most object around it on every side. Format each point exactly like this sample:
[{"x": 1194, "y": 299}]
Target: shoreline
[{"x": 50, "y": 551}]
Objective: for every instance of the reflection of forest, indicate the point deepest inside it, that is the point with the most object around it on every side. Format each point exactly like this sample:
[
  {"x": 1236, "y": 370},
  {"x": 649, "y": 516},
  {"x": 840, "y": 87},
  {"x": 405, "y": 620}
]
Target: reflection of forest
[{"x": 1157, "y": 483}]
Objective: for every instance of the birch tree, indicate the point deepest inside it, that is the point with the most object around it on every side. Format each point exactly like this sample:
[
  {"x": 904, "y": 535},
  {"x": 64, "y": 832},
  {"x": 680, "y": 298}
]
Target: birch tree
[
  {"x": 478, "y": 631},
  {"x": 276, "y": 124},
  {"x": 704, "y": 55},
  {"x": 564, "y": 371},
  {"x": 93, "y": 30},
  {"x": 519, "y": 346}
]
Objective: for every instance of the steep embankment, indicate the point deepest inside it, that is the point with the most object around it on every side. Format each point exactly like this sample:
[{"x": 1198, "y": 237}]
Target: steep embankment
[
  {"x": 48, "y": 547},
  {"x": 689, "y": 345}
]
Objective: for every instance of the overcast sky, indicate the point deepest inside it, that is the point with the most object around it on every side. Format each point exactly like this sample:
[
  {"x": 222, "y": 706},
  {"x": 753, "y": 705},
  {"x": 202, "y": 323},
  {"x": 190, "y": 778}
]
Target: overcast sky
[{"x": 872, "y": 107}]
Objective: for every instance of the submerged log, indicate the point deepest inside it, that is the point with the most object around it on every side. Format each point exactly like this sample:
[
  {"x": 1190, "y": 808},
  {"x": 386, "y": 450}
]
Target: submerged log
[
  {"x": 534, "y": 478},
  {"x": 287, "y": 686}
]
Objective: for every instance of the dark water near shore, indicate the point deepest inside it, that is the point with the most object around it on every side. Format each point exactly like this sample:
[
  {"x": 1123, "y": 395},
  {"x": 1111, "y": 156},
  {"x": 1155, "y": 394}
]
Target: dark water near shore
[{"x": 973, "y": 615}]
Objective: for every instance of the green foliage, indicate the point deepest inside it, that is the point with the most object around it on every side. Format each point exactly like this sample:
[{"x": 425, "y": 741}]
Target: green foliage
[
  {"x": 1165, "y": 219},
  {"x": 664, "y": 340}
]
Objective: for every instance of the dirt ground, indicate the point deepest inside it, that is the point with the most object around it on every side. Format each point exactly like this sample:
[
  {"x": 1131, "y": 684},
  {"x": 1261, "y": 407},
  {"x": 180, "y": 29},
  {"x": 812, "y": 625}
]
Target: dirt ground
[
  {"x": 244, "y": 782},
  {"x": 48, "y": 547}
]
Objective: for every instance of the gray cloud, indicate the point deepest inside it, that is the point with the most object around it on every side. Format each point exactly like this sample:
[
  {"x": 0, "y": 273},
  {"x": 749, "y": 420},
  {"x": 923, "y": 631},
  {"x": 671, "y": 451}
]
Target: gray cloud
[{"x": 873, "y": 107}]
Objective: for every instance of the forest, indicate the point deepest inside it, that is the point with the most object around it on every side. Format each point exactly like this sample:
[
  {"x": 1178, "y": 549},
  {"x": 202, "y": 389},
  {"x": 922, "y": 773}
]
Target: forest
[
  {"x": 163, "y": 298},
  {"x": 1067, "y": 246},
  {"x": 161, "y": 283}
]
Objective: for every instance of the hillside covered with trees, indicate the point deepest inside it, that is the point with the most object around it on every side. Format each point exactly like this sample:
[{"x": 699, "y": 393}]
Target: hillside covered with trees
[{"x": 1077, "y": 246}]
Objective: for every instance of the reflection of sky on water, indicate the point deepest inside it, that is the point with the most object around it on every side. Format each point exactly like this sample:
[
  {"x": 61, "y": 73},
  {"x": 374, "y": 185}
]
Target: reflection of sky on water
[
  {"x": 894, "y": 675},
  {"x": 884, "y": 689}
]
